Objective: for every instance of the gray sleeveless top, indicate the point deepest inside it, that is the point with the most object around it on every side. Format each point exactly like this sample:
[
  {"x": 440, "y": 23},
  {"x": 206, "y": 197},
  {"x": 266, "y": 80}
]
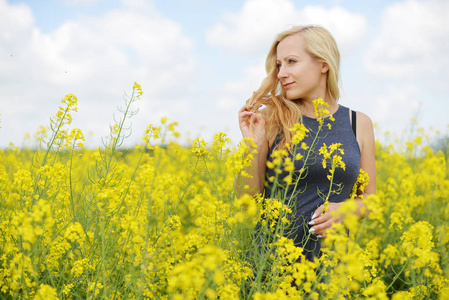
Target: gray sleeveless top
[{"x": 304, "y": 198}]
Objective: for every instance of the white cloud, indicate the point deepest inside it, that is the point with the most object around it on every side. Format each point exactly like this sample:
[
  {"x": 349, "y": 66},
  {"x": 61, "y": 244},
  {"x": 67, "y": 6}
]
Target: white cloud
[
  {"x": 252, "y": 30},
  {"x": 95, "y": 58},
  {"x": 347, "y": 28},
  {"x": 234, "y": 94},
  {"x": 392, "y": 106},
  {"x": 80, "y": 2},
  {"x": 395, "y": 105},
  {"x": 413, "y": 41},
  {"x": 407, "y": 63},
  {"x": 249, "y": 30},
  {"x": 15, "y": 22}
]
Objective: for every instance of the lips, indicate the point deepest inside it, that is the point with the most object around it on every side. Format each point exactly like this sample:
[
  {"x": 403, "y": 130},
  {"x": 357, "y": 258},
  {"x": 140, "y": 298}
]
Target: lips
[{"x": 287, "y": 85}]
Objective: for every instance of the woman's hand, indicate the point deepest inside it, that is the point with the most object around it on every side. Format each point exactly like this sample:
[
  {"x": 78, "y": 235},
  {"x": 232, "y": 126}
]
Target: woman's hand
[
  {"x": 252, "y": 124},
  {"x": 322, "y": 223}
]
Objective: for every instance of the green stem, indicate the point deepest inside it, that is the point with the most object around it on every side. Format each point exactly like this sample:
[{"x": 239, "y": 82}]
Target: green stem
[
  {"x": 210, "y": 176},
  {"x": 397, "y": 274},
  {"x": 70, "y": 179}
]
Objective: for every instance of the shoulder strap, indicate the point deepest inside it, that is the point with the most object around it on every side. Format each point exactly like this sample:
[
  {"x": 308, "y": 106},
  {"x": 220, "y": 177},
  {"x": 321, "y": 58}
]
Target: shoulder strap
[{"x": 354, "y": 122}]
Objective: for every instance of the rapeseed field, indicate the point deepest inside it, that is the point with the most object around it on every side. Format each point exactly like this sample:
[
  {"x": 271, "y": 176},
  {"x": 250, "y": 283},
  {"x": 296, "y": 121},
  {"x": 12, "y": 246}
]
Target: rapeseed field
[{"x": 163, "y": 221}]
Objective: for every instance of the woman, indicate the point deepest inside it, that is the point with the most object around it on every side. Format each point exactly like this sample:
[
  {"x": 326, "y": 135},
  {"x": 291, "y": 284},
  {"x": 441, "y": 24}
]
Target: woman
[{"x": 303, "y": 65}]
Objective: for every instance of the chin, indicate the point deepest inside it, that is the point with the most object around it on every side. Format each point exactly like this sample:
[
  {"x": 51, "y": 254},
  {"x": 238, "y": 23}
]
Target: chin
[{"x": 293, "y": 97}]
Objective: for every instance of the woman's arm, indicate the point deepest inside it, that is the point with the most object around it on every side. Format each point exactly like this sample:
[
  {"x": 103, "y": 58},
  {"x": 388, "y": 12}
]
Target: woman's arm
[
  {"x": 365, "y": 138},
  {"x": 257, "y": 171},
  {"x": 252, "y": 125},
  {"x": 367, "y": 160}
]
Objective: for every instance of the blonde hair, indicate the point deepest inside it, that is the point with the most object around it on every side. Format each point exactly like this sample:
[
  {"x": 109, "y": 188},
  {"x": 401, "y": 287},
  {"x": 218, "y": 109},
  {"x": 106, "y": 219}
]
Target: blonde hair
[{"x": 282, "y": 113}]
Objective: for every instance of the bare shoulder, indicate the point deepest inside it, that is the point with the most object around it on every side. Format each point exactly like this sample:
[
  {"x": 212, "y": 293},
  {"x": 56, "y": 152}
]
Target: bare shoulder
[
  {"x": 365, "y": 131},
  {"x": 364, "y": 120},
  {"x": 364, "y": 125}
]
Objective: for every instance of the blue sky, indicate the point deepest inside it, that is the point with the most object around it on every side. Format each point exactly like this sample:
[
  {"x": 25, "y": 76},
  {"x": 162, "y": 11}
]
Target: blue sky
[{"x": 199, "y": 60}]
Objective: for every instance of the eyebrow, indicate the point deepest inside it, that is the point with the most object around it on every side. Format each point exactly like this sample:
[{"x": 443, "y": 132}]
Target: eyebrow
[{"x": 288, "y": 56}]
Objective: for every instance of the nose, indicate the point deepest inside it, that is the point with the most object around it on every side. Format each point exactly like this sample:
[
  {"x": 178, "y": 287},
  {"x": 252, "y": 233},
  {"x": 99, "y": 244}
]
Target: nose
[{"x": 282, "y": 74}]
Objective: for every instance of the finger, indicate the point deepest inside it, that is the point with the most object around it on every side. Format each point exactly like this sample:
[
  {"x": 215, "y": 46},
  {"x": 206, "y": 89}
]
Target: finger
[
  {"x": 321, "y": 219},
  {"x": 321, "y": 228},
  {"x": 259, "y": 118},
  {"x": 246, "y": 107},
  {"x": 317, "y": 212},
  {"x": 246, "y": 114},
  {"x": 326, "y": 233},
  {"x": 249, "y": 107}
]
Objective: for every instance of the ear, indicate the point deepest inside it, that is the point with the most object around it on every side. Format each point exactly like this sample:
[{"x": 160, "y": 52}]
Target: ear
[{"x": 324, "y": 67}]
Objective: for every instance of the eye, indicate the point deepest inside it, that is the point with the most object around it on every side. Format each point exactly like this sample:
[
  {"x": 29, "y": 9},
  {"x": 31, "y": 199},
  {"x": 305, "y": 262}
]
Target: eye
[
  {"x": 291, "y": 61},
  {"x": 278, "y": 65}
]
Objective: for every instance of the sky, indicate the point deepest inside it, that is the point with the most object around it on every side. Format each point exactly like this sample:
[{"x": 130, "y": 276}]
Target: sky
[{"x": 198, "y": 61}]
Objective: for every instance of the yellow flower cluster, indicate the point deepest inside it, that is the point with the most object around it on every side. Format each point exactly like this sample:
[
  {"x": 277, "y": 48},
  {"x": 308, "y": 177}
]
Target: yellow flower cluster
[
  {"x": 138, "y": 90},
  {"x": 359, "y": 186},
  {"x": 199, "y": 147},
  {"x": 336, "y": 160},
  {"x": 63, "y": 115},
  {"x": 321, "y": 109},
  {"x": 242, "y": 157},
  {"x": 164, "y": 223},
  {"x": 300, "y": 133},
  {"x": 221, "y": 141},
  {"x": 151, "y": 132},
  {"x": 273, "y": 212}
]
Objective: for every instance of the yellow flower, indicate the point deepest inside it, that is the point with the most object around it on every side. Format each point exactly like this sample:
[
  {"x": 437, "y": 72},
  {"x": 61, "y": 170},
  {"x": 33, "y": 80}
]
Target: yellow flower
[
  {"x": 137, "y": 88},
  {"x": 159, "y": 225},
  {"x": 288, "y": 165},
  {"x": 71, "y": 100},
  {"x": 199, "y": 147},
  {"x": 220, "y": 141},
  {"x": 288, "y": 179},
  {"x": 320, "y": 107},
  {"x": 300, "y": 133},
  {"x": 417, "y": 244},
  {"x": 46, "y": 292},
  {"x": 152, "y": 131}
]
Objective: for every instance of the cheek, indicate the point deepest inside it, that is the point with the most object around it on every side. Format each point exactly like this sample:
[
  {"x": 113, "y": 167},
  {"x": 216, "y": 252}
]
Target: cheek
[{"x": 304, "y": 72}]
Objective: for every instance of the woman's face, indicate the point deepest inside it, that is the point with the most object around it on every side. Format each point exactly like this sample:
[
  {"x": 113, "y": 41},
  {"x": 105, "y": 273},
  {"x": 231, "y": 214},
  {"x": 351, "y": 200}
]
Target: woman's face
[{"x": 301, "y": 76}]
